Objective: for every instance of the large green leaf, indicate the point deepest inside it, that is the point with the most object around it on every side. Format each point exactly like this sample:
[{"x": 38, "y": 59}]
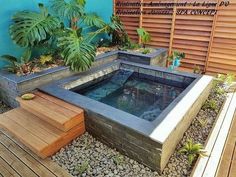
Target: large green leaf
[
  {"x": 77, "y": 52},
  {"x": 30, "y": 28},
  {"x": 68, "y": 10},
  {"x": 93, "y": 20}
]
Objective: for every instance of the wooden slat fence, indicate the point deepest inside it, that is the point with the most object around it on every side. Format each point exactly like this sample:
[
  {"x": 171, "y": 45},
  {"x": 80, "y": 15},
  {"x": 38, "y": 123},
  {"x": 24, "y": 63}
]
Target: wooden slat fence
[{"x": 209, "y": 41}]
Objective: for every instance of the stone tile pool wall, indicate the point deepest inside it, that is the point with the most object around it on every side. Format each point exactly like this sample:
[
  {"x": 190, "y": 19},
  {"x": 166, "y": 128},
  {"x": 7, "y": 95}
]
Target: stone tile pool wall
[{"x": 150, "y": 143}]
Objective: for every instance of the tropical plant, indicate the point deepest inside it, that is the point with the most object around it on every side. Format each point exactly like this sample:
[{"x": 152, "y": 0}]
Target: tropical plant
[
  {"x": 144, "y": 35},
  {"x": 31, "y": 28},
  {"x": 193, "y": 150},
  {"x": 77, "y": 48},
  {"x": 77, "y": 52},
  {"x": 21, "y": 65},
  {"x": 117, "y": 32}
]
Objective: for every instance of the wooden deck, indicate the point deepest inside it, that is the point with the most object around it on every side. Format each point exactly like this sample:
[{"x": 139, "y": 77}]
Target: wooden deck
[
  {"x": 221, "y": 145},
  {"x": 227, "y": 166},
  {"x": 18, "y": 161},
  {"x": 44, "y": 124}
]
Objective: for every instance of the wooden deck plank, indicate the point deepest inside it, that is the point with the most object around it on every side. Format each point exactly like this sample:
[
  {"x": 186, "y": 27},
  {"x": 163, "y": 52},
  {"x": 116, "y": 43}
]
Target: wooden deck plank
[
  {"x": 215, "y": 157},
  {"x": 54, "y": 111},
  {"x": 33, "y": 105},
  {"x": 27, "y": 159},
  {"x": 232, "y": 172},
  {"x": 15, "y": 163},
  {"x": 226, "y": 158},
  {"x": 47, "y": 163},
  {"x": 33, "y": 125},
  {"x": 6, "y": 170},
  {"x": 56, "y": 108},
  {"x": 60, "y": 102},
  {"x": 201, "y": 164},
  {"x": 24, "y": 135},
  {"x": 43, "y": 139}
]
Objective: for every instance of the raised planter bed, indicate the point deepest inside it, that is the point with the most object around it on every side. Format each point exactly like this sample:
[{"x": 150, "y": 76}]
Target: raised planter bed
[{"x": 12, "y": 85}]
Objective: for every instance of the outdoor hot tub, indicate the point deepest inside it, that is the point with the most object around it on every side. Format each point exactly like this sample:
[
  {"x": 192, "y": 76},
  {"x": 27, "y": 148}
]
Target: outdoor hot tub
[{"x": 142, "y": 111}]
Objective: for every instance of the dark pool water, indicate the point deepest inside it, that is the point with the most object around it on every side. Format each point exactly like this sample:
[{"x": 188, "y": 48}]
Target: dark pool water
[{"x": 126, "y": 91}]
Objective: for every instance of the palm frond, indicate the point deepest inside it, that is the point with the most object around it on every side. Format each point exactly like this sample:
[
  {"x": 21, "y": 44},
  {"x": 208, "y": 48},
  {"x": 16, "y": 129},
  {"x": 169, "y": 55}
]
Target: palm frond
[{"x": 30, "y": 28}]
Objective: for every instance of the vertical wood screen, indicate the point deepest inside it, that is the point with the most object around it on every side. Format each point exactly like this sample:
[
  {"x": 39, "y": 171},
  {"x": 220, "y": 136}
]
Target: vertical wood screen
[{"x": 209, "y": 41}]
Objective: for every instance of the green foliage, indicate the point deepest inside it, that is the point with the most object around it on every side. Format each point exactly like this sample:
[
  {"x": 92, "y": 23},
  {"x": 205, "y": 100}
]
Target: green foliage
[
  {"x": 176, "y": 55},
  {"x": 117, "y": 31},
  {"x": 77, "y": 52},
  {"x": 219, "y": 90},
  {"x": 130, "y": 46},
  {"x": 203, "y": 122},
  {"x": 45, "y": 59},
  {"x": 210, "y": 104},
  {"x": 68, "y": 10},
  {"x": 118, "y": 159},
  {"x": 192, "y": 150},
  {"x": 82, "y": 168},
  {"x": 146, "y": 51},
  {"x": 197, "y": 69},
  {"x": 31, "y": 28},
  {"x": 93, "y": 20},
  {"x": 144, "y": 35},
  {"x": 226, "y": 79},
  {"x": 20, "y": 65}
]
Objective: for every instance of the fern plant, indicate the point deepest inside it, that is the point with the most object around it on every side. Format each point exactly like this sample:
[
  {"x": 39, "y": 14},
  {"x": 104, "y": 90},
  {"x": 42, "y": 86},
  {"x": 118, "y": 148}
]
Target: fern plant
[
  {"x": 31, "y": 28},
  {"x": 192, "y": 150},
  {"x": 77, "y": 52}
]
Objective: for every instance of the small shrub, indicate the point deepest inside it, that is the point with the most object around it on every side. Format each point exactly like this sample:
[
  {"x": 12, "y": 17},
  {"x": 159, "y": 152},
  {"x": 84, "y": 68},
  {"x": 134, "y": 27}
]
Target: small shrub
[
  {"x": 202, "y": 122},
  {"x": 225, "y": 79},
  {"x": 144, "y": 35},
  {"x": 146, "y": 51},
  {"x": 192, "y": 150},
  {"x": 45, "y": 59},
  {"x": 197, "y": 70},
  {"x": 219, "y": 90},
  {"x": 82, "y": 168},
  {"x": 210, "y": 104},
  {"x": 118, "y": 159}
]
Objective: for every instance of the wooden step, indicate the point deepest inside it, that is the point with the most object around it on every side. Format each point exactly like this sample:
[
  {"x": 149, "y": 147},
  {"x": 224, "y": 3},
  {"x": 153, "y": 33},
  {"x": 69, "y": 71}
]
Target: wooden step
[
  {"x": 54, "y": 111},
  {"x": 38, "y": 135}
]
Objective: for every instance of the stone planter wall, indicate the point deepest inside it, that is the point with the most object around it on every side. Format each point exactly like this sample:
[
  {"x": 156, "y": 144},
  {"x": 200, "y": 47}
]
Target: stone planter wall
[{"x": 12, "y": 85}]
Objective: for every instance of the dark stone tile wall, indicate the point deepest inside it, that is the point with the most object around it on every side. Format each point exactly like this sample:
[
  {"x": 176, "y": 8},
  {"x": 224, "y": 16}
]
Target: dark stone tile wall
[{"x": 127, "y": 141}]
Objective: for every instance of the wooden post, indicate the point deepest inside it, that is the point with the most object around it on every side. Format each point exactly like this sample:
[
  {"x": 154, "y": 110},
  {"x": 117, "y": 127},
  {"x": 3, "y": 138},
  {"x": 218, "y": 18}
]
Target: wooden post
[
  {"x": 140, "y": 20},
  {"x": 172, "y": 29},
  {"x": 212, "y": 37}
]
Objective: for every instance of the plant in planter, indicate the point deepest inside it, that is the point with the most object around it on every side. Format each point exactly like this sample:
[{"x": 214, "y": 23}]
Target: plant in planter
[
  {"x": 145, "y": 38},
  {"x": 192, "y": 150},
  {"x": 21, "y": 65},
  {"x": 144, "y": 35},
  {"x": 175, "y": 59}
]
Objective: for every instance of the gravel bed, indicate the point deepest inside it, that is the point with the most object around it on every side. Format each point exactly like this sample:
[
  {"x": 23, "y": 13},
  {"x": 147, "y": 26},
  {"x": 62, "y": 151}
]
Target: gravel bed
[
  {"x": 3, "y": 107},
  {"x": 86, "y": 156}
]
